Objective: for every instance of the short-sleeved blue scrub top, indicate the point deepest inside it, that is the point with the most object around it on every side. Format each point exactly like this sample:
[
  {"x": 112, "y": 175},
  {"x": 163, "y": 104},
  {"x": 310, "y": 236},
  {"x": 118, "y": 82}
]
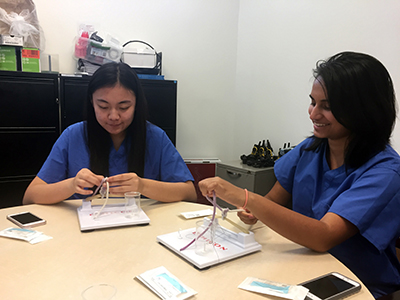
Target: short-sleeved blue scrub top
[
  {"x": 70, "y": 154},
  {"x": 368, "y": 197}
]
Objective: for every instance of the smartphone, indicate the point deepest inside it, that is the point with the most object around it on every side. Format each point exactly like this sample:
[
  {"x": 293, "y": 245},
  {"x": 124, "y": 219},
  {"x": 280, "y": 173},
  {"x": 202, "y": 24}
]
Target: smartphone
[
  {"x": 331, "y": 286},
  {"x": 26, "y": 219}
]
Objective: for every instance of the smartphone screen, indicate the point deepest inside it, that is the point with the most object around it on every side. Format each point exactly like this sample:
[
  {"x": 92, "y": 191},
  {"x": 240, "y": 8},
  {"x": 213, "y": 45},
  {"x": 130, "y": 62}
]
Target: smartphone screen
[
  {"x": 328, "y": 286},
  {"x": 26, "y": 218}
]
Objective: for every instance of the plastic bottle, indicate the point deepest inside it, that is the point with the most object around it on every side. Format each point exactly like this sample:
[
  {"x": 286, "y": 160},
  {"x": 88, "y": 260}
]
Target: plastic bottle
[{"x": 81, "y": 45}]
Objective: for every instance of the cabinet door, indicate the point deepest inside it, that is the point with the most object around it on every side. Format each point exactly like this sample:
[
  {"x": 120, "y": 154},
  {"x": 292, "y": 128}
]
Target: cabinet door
[
  {"x": 73, "y": 93},
  {"x": 29, "y": 121},
  {"x": 29, "y": 101},
  {"x": 29, "y": 126},
  {"x": 23, "y": 152},
  {"x": 161, "y": 100}
]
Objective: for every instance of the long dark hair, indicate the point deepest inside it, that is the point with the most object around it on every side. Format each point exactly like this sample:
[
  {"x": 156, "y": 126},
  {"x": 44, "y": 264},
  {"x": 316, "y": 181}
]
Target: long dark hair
[
  {"x": 98, "y": 139},
  {"x": 361, "y": 97}
]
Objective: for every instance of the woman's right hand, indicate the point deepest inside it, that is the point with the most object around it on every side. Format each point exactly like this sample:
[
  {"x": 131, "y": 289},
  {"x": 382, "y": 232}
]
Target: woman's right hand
[
  {"x": 223, "y": 189},
  {"x": 84, "y": 181}
]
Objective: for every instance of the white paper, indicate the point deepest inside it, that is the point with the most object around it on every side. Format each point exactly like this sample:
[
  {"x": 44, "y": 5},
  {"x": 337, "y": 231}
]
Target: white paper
[
  {"x": 197, "y": 214},
  {"x": 165, "y": 285}
]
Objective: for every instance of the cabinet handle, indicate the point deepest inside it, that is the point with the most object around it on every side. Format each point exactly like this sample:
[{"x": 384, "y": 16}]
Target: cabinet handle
[{"x": 233, "y": 174}]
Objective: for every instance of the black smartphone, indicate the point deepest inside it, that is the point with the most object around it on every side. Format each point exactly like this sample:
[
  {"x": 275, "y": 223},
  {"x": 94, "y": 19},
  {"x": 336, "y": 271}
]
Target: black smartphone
[
  {"x": 332, "y": 286},
  {"x": 26, "y": 219}
]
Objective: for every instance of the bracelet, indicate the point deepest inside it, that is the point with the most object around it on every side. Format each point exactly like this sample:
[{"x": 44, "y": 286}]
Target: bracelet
[{"x": 247, "y": 198}]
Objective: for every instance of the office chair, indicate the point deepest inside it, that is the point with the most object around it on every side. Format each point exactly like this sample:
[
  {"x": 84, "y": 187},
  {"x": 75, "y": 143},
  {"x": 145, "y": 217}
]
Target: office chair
[{"x": 395, "y": 295}]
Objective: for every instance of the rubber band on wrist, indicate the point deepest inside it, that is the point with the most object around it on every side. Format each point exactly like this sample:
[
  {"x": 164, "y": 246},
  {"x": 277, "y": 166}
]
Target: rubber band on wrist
[{"x": 247, "y": 199}]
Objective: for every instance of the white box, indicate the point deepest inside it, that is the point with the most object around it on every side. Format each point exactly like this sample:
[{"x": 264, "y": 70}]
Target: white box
[
  {"x": 145, "y": 58},
  {"x": 11, "y": 40}
]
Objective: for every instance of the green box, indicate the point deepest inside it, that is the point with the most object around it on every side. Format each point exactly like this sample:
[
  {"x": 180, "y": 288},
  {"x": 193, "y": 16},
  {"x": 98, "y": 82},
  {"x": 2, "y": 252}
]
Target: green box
[
  {"x": 8, "y": 58},
  {"x": 30, "y": 60}
]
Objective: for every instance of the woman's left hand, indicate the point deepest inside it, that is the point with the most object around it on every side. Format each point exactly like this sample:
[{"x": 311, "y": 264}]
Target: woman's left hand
[
  {"x": 123, "y": 183},
  {"x": 247, "y": 217}
]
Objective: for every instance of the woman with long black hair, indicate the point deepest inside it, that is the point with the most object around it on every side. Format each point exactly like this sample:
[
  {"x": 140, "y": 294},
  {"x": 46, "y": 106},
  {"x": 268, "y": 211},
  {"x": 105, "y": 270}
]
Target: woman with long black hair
[
  {"x": 115, "y": 141},
  {"x": 344, "y": 180}
]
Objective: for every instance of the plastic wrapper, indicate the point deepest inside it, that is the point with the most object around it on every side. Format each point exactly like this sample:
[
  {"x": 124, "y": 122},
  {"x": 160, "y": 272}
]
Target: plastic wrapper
[
  {"x": 93, "y": 48},
  {"x": 96, "y": 52},
  {"x": 19, "y": 18}
]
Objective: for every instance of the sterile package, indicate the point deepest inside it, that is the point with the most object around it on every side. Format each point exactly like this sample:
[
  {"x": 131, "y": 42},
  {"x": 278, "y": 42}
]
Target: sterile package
[
  {"x": 294, "y": 292},
  {"x": 29, "y": 235},
  {"x": 165, "y": 285}
]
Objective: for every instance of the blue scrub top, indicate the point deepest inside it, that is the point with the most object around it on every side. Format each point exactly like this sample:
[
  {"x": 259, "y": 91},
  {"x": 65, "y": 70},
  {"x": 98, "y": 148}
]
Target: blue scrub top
[
  {"x": 368, "y": 197},
  {"x": 70, "y": 154}
]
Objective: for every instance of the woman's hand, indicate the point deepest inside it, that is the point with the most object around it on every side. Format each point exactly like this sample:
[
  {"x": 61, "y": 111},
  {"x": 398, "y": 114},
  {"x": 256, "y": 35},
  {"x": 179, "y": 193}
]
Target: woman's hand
[
  {"x": 84, "y": 181},
  {"x": 228, "y": 192},
  {"x": 224, "y": 190},
  {"x": 247, "y": 218},
  {"x": 41, "y": 192},
  {"x": 123, "y": 183},
  {"x": 152, "y": 189}
]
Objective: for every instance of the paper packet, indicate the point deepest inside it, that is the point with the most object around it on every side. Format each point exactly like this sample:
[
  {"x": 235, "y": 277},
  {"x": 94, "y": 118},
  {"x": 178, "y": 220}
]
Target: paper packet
[
  {"x": 165, "y": 285},
  {"x": 294, "y": 292},
  {"x": 29, "y": 235}
]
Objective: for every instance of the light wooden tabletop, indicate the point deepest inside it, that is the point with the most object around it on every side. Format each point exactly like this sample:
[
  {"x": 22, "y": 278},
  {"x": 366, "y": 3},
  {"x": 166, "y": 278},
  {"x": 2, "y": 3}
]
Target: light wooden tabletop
[{"x": 61, "y": 268}]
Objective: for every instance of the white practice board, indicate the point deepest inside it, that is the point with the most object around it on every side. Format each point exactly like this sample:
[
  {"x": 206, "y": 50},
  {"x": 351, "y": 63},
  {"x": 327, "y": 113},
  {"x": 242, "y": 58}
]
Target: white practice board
[
  {"x": 227, "y": 245},
  {"x": 111, "y": 216}
]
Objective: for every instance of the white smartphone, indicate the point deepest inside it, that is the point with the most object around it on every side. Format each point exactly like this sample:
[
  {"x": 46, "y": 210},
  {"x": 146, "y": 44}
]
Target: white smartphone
[
  {"x": 26, "y": 219},
  {"x": 331, "y": 286}
]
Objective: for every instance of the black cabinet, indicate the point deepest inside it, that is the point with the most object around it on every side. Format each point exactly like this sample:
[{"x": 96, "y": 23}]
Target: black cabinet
[
  {"x": 161, "y": 100},
  {"x": 73, "y": 97},
  {"x": 36, "y": 107},
  {"x": 29, "y": 126}
]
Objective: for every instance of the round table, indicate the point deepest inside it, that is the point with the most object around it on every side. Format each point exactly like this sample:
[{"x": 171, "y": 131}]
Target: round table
[{"x": 61, "y": 268}]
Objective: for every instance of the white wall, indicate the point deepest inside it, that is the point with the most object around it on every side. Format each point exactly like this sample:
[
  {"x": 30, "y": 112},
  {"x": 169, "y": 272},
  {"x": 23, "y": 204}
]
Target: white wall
[
  {"x": 198, "y": 40},
  {"x": 279, "y": 43},
  {"x": 243, "y": 66}
]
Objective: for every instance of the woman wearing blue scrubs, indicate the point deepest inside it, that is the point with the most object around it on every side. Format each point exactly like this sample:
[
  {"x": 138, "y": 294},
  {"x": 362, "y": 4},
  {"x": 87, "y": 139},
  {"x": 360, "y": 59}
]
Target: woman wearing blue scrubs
[
  {"x": 116, "y": 141},
  {"x": 344, "y": 180}
]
